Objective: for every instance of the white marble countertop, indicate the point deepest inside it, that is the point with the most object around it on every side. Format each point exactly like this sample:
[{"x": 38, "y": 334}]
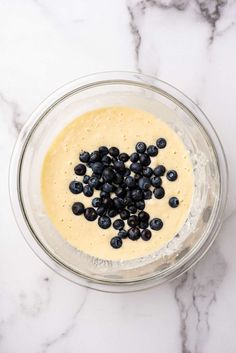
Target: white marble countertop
[{"x": 44, "y": 44}]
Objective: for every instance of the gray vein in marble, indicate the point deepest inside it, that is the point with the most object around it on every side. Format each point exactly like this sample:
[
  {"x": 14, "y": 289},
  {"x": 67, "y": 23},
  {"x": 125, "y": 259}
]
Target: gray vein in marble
[
  {"x": 231, "y": 214},
  {"x": 30, "y": 305},
  {"x": 44, "y": 9},
  {"x": 167, "y": 4},
  {"x": 136, "y": 36},
  {"x": 225, "y": 30},
  {"x": 137, "y": 11},
  {"x": 15, "y": 109},
  {"x": 51, "y": 14},
  {"x": 4, "y": 325},
  {"x": 211, "y": 12},
  {"x": 35, "y": 303},
  {"x": 47, "y": 13},
  {"x": 183, "y": 313},
  {"x": 195, "y": 294},
  {"x": 68, "y": 329}
]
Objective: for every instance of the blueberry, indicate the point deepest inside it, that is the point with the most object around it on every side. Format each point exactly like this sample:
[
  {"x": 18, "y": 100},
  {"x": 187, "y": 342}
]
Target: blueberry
[
  {"x": 173, "y": 202},
  {"x": 156, "y": 181},
  {"x": 116, "y": 242},
  {"x": 108, "y": 174},
  {"x": 104, "y": 194},
  {"x": 97, "y": 167},
  {"x": 80, "y": 169},
  {"x": 97, "y": 202},
  {"x": 107, "y": 202},
  {"x": 143, "y": 216},
  {"x": 98, "y": 186},
  {"x": 137, "y": 195},
  {"x": 106, "y": 160},
  {"x": 147, "y": 195},
  {"x": 101, "y": 210},
  {"x": 78, "y": 208},
  {"x": 143, "y": 224},
  {"x": 112, "y": 213},
  {"x": 124, "y": 157},
  {"x": 171, "y": 175},
  {"x": 159, "y": 193},
  {"x": 144, "y": 183},
  {"x": 140, "y": 205},
  {"x": 161, "y": 143},
  {"x": 96, "y": 175},
  {"x": 114, "y": 151},
  {"x": 124, "y": 186},
  {"x": 147, "y": 172},
  {"x": 118, "y": 178},
  {"x": 84, "y": 157},
  {"x": 140, "y": 147},
  {"x": 133, "y": 221},
  {"x": 152, "y": 151},
  {"x": 127, "y": 201},
  {"x": 130, "y": 182},
  {"x": 104, "y": 222},
  {"x": 94, "y": 182},
  {"x": 90, "y": 214},
  {"x": 114, "y": 159},
  {"x": 118, "y": 224},
  {"x": 144, "y": 159},
  {"x": 156, "y": 224},
  {"x": 103, "y": 150},
  {"x": 136, "y": 167},
  {"x": 88, "y": 191},
  {"x": 125, "y": 214},
  {"x": 107, "y": 187},
  {"x": 95, "y": 157},
  {"x": 76, "y": 187},
  {"x": 146, "y": 234},
  {"x": 129, "y": 195},
  {"x": 134, "y": 157},
  {"x": 127, "y": 172},
  {"x": 120, "y": 192},
  {"x": 132, "y": 209},
  {"x": 137, "y": 177},
  {"x": 86, "y": 179},
  {"x": 119, "y": 203},
  {"x": 123, "y": 234},
  {"x": 119, "y": 166},
  {"x": 159, "y": 170},
  {"x": 134, "y": 233}
]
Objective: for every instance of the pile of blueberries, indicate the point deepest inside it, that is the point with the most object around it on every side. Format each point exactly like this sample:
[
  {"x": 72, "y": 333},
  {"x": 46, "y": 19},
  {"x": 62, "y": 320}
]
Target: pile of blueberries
[{"x": 123, "y": 189}]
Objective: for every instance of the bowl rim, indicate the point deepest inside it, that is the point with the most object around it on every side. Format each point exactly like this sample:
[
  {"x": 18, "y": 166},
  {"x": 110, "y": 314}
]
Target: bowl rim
[{"x": 31, "y": 124}]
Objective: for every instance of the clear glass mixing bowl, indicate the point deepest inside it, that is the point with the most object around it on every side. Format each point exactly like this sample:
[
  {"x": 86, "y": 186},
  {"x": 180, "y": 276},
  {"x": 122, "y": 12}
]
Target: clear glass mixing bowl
[{"x": 137, "y": 91}]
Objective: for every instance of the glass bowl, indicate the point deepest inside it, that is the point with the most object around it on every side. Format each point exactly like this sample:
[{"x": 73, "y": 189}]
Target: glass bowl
[{"x": 136, "y": 91}]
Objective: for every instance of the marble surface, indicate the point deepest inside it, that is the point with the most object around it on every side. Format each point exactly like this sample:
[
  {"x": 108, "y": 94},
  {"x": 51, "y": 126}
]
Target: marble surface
[{"x": 44, "y": 44}]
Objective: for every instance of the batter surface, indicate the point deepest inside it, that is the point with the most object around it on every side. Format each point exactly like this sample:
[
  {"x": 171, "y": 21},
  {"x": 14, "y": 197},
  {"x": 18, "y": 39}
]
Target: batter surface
[{"x": 121, "y": 127}]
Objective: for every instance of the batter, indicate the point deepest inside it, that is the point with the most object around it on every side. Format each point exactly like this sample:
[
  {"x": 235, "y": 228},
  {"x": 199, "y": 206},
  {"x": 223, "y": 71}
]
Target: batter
[{"x": 121, "y": 127}]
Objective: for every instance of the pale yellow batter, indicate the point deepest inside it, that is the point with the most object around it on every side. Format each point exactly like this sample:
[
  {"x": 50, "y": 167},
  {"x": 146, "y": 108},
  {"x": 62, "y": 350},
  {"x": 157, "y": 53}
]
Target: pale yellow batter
[{"x": 123, "y": 128}]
